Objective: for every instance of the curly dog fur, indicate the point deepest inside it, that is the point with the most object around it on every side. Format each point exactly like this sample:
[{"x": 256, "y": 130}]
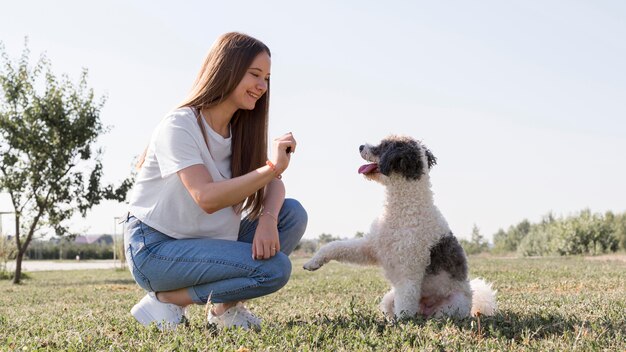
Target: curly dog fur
[{"x": 411, "y": 240}]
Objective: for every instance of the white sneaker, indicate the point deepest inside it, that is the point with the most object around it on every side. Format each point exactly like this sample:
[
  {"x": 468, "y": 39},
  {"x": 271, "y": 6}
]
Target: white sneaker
[
  {"x": 237, "y": 316},
  {"x": 167, "y": 316}
]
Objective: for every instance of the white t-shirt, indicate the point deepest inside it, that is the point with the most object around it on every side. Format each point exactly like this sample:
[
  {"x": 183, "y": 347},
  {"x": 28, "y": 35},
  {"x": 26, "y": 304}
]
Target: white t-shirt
[{"x": 159, "y": 198}]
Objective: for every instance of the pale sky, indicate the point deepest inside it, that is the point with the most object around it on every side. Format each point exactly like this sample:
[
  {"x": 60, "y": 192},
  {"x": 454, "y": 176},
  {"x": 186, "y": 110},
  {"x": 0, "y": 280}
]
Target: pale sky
[{"x": 522, "y": 102}]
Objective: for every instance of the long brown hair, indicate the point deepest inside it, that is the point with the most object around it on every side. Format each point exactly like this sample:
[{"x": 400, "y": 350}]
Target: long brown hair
[{"x": 224, "y": 67}]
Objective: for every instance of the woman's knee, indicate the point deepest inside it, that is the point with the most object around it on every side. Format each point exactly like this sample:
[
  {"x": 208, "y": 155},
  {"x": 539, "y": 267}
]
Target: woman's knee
[
  {"x": 295, "y": 218},
  {"x": 292, "y": 224},
  {"x": 296, "y": 211},
  {"x": 279, "y": 268}
]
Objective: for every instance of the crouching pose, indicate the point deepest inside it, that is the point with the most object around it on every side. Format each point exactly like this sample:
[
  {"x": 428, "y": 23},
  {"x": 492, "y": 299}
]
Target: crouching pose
[
  {"x": 411, "y": 240},
  {"x": 208, "y": 219}
]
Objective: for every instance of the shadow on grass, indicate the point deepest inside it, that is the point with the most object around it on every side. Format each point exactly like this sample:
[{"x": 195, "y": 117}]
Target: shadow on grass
[
  {"x": 508, "y": 325},
  {"x": 517, "y": 327}
]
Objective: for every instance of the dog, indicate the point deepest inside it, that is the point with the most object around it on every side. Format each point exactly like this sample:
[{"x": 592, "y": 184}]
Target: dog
[{"x": 411, "y": 240}]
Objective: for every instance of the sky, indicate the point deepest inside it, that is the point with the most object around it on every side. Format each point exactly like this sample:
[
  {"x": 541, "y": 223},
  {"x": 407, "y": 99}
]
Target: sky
[{"x": 522, "y": 102}]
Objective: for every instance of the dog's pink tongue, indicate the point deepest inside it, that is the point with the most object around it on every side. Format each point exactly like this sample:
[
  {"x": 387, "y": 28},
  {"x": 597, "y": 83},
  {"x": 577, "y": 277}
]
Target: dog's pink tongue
[{"x": 366, "y": 169}]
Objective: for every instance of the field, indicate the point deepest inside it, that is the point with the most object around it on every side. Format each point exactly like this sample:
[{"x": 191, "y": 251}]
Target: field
[{"x": 559, "y": 304}]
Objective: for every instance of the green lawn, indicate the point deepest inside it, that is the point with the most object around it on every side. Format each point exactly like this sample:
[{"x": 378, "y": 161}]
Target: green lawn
[{"x": 545, "y": 304}]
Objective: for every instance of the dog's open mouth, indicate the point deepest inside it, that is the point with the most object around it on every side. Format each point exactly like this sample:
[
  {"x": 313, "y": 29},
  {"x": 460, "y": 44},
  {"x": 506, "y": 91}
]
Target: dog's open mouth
[{"x": 368, "y": 169}]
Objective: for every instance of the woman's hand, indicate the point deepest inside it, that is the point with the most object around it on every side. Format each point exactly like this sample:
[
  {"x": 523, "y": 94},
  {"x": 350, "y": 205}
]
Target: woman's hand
[
  {"x": 266, "y": 242},
  {"x": 282, "y": 147}
]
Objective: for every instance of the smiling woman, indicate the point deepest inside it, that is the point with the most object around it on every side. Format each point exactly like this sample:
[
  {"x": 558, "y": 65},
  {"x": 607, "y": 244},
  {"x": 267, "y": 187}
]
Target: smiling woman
[
  {"x": 254, "y": 83},
  {"x": 205, "y": 168}
]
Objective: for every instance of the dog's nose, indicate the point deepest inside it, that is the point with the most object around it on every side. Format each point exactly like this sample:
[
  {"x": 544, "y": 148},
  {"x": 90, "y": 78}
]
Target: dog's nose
[{"x": 361, "y": 148}]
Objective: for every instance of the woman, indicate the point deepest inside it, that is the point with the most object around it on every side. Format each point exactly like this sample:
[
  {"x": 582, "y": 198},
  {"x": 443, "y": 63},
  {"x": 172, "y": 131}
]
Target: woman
[{"x": 207, "y": 166}]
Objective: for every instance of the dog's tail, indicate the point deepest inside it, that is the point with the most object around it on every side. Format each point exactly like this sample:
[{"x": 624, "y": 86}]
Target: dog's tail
[{"x": 483, "y": 298}]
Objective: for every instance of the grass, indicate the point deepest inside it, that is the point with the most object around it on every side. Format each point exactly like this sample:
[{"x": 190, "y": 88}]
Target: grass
[{"x": 560, "y": 304}]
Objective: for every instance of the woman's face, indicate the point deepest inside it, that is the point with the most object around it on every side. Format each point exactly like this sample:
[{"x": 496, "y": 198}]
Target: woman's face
[{"x": 253, "y": 84}]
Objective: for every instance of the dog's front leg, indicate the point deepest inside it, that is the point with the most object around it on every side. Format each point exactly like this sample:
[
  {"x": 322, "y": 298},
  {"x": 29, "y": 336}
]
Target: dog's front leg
[
  {"x": 407, "y": 298},
  {"x": 356, "y": 251}
]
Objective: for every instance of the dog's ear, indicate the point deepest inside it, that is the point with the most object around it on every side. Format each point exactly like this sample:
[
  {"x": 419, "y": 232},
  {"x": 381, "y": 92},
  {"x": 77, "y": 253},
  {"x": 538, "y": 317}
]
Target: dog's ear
[
  {"x": 401, "y": 158},
  {"x": 432, "y": 161}
]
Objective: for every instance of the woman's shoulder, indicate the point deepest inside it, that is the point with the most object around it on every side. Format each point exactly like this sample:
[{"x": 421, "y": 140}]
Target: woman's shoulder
[
  {"x": 184, "y": 112},
  {"x": 180, "y": 117}
]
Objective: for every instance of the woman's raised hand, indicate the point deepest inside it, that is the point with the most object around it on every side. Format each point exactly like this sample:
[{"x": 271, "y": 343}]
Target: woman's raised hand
[{"x": 282, "y": 148}]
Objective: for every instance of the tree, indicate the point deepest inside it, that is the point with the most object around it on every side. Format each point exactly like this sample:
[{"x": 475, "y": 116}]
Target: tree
[
  {"x": 477, "y": 244},
  {"x": 509, "y": 241},
  {"x": 584, "y": 233},
  {"x": 306, "y": 246},
  {"x": 48, "y": 164},
  {"x": 327, "y": 238},
  {"x": 617, "y": 224},
  {"x": 619, "y": 231}
]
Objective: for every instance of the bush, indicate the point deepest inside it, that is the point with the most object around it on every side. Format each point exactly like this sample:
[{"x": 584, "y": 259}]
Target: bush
[
  {"x": 308, "y": 247},
  {"x": 535, "y": 243},
  {"x": 509, "y": 241},
  {"x": 581, "y": 234}
]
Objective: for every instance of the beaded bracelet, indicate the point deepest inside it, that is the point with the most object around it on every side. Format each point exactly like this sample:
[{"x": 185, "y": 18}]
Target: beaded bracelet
[{"x": 273, "y": 167}]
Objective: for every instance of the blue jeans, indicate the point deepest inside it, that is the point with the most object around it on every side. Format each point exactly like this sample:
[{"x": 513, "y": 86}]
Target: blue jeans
[{"x": 216, "y": 270}]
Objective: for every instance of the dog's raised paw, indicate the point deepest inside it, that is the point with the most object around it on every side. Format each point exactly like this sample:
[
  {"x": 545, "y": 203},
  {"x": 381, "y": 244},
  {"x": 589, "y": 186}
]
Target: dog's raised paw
[{"x": 311, "y": 265}]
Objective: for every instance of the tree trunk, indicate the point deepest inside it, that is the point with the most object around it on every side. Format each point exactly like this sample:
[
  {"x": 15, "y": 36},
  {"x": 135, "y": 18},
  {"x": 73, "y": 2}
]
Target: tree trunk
[
  {"x": 22, "y": 247},
  {"x": 18, "y": 267},
  {"x": 20, "y": 251}
]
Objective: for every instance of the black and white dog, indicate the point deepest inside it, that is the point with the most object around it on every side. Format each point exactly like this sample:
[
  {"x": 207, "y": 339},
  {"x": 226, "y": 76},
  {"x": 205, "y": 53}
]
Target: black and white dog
[{"x": 411, "y": 240}]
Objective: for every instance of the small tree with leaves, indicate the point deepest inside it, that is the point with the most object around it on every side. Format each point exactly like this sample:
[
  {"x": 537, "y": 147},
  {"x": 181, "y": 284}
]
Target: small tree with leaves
[
  {"x": 48, "y": 165},
  {"x": 477, "y": 244}
]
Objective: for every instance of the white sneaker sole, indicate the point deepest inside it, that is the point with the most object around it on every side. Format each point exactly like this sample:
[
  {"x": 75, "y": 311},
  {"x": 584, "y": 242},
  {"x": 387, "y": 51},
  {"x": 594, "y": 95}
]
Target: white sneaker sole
[
  {"x": 145, "y": 319},
  {"x": 142, "y": 316}
]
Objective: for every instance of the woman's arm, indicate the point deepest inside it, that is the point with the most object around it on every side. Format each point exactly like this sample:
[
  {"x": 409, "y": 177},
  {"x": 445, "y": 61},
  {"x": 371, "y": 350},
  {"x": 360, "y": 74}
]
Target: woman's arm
[
  {"x": 212, "y": 196},
  {"x": 266, "y": 242},
  {"x": 274, "y": 198}
]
